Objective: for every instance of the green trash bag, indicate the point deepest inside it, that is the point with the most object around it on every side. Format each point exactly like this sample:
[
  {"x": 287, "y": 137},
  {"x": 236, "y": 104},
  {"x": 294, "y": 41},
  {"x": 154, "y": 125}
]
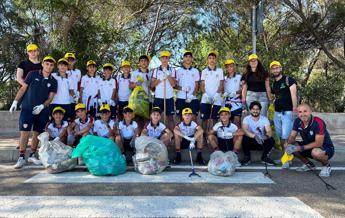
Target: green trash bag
[{"x": 101, "y": 156}]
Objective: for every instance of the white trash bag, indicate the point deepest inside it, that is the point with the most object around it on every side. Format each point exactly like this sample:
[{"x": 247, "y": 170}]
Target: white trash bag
[
  {"x": 55, "y": 155},
  {"x": 151, "y": 155},
  {"x": 222, "y": 164}
]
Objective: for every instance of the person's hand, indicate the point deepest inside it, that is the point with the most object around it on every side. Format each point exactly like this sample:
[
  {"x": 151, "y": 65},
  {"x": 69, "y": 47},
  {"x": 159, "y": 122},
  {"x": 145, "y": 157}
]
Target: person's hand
[
  {"x": 140, "y": 80},
  {"x": 191, "y": 145},
  {"x": 186, "y": 89},
  {"x": 13, "y": 106},
  {"x": 37, "y": 109},
  {"x": 189, "y": 99},
  {"x": 232, "y": 94},
  {"x": 290, "y": 149},
  {"x": 191, "y": 139},
  {"x": 259, "y": 140}
]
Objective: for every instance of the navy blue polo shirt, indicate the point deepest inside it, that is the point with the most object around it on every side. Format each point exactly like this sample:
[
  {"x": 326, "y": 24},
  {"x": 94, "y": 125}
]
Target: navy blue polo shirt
[
  {"x": 38, "y": 89},
  {"x": 316, "y": 126}
]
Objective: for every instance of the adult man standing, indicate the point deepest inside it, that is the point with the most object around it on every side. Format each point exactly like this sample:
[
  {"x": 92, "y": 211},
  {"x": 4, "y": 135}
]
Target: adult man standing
[
  {"x": 163, "y": 81},
  {"x": 37, "y": 92},
  {"x": 285, "y": 104},
  {"x": 29, "y": 65},
  {"x": 316, "y": 142}
]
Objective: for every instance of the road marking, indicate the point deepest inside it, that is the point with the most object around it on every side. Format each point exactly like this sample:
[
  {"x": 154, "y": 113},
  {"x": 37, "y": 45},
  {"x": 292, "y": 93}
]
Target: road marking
[
  {"x": 164, "y": 177},
  {"x": 153, "y": 206}
]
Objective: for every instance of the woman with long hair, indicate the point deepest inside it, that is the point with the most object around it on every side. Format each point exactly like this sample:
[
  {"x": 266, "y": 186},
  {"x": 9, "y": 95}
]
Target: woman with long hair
[{"x": 256, "y": 84}]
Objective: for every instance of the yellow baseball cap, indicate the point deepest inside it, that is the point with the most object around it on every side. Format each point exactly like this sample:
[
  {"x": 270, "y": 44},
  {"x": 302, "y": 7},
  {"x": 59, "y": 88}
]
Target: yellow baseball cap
[
  {"x": 125, "y": 63},
  {"x": 59, "y": 109},
  {"x": 187, "y": 111},
  {"x": 70, "y": 55},
  {"x": 64, "y": 60},
  {"x": 229, "y": 61},
  {"x": 31, "y": 47},
  {"x": 108, "y": 65},
  {"x": 91, "y": 62},
  {"x": 252, "y": 56},
  {"x": 79, "y": 106},
  {"x": 187, "y": 52},
  {"x": 164, "y": 54},
  {"x": 49, "y": 58},
  {"x": 104, "y": 107},
  {"x": 127, "y": 109},
  {"x": 224, "y": 109},
  {"x": 275, "y": 63},
  {"x": 156, "y": 109},
  {"x": 212, "y": 52},
  {"x": 145, "y": 56}
]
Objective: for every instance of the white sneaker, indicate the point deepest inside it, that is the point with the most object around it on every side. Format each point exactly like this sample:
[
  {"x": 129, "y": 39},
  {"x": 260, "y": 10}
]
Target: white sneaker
[
  {"x": 34, "y": 160},
  {"x": 325, "y": 171},
  {"x": 306, "y": 168},
  {"x": 20, "y": 163}
]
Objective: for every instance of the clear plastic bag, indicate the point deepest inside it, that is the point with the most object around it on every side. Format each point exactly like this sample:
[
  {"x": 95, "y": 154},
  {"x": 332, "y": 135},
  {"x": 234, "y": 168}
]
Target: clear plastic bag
[
  {"x": 222, "y": 164},
  {"x": 53, "y": 153},
  {"x": 100, "y": 155},
  {"x": 151, "y": 155}
]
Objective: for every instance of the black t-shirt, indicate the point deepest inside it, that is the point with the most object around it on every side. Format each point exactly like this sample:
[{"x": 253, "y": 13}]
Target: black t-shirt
[
  {"x": 254, "y": 83},
  {"x": 281, "y": 90},
  {"x": 28, "y": 66}
]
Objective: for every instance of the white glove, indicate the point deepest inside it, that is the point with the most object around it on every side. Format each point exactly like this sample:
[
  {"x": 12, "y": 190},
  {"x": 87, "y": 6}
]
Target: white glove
[
  {"x": 111, "y": 102},
  {"x": 232, "y": 94},
  {"x": 37, "y": 109},
  {"x": 186, "y": 89},
  {"x": 217, "y": 97},
  {"x": 191, "y": 145},
  {"x": 100, "y": 102},
  {"x": 189, "y": 99},
  {"x": 75, "y": 98},
  {"x": 14, "y": 106},
  {"x": 207, "y": 99},
  {"x": 56, "y": 139},
  {"x": 226, "y": 94}
]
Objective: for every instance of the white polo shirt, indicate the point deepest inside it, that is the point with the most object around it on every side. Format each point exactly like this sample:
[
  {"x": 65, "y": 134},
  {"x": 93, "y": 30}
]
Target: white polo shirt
[
  {"x": 106, "y": 88},
  {"x": 159, "y": 91},
  {"x": 146, "y": 76},
  {"x": 64, "y": 84},
  {"x": 100, "y": 127},
  {"x": 212, "y": 80},
  {"x": 225, "y": 132},
  {"x": 82, "y": 125},
  {"x": 155, "y": 131},
  {"x": 127, "y": 132},
  {"x": 90, "y": 86},
  {"x": 255, "y": 126},
  {"x": 233, "y": 84},
  {"x": 123, "y": 87},
  {"x": 188, "y": 130},
  {"x": 187, "y": 78},
  {"x": 75, "y": 76},
  {"x": 55, "y": 130}
]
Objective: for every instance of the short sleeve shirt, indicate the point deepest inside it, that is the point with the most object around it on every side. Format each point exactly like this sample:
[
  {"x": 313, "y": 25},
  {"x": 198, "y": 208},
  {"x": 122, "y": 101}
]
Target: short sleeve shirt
[
  {"x": 106, "y": 88},
  {"x": 315, "y": 127},
  {"x": 233, "y": 84},
  {"x": 281, "y": 90},
  {"x": 155, "y": 131},
  {"x": 127, "y": 132},
  {"x": 27, "y": 66},
  {"x": 38, "y": 89},
  {"x": 254, "y": 83},
  {"x": 90, "y": 85},
  {"x": 187, "y": 78},
  {"x": 124, "y": 92},
  {"x": 212, "y": 80},
  {"x": 64, "y": 85},
  {"x": 83, "y": 124},
  {"x": 257, "y": 127},
  {"x": 225, "y": 132},
  {"x": 75, "y": 76},
  {"x": 100, "y": 127},
  {"x": 56, "y": 130},
  {"x": 188, "y": 129},
  {"x": 159, "y": 91}
]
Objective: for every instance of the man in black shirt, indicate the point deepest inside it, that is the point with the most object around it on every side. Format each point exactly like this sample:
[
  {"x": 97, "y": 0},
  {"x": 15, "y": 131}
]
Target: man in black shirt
[
  {"x": 285, "y": 104},
  {"x": 32, "y": 64}
]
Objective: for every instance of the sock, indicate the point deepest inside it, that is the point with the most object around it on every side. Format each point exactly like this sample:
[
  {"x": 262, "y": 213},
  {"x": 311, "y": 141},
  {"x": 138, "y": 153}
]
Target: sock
[{"x": 22, "y": 153}]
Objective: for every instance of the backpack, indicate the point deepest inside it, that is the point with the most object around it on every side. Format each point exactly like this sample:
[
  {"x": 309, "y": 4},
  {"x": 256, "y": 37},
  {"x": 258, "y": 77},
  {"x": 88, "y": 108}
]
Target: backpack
[{"x": 287, "y": 83}]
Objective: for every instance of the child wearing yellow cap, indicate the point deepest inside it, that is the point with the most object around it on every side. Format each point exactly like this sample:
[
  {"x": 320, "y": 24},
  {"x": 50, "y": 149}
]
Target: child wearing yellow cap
[
  {"x": 57, "y": 127},
  {"x": 75, "y": 75},
  {"x": 187, "y": 133},
  {"x": 105, "y": 127},
  {"x": 123, "y": 85}
]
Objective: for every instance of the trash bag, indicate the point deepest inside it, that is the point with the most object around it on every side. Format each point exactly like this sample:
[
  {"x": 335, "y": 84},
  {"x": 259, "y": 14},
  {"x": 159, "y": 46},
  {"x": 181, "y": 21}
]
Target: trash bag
[
  {"x": 55, "y": 155},
  {"x": 151, "y": 155},
  {"x": 222, "y": 164},
  {"x": 100, "y": 155},
  {"x": 139, "y": 102}
]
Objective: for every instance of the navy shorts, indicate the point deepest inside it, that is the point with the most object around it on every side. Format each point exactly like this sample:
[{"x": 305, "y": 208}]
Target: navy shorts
[
  {"x": 122, "y": 104},
  {"x": 37, "y": 122},
  {"x": 181, "y": 104},
  {"x": 205, "y": 111},
  {"x": 185, "y": 143},
  {"x": 329, "y": 151},
  {"x": 68, "y": 108},
  {"x": 225, "y": 144},
  {"x": 170, "y": 110},
  {"x": 236, "y": 113},
  {"x": 127, "y": 145}
]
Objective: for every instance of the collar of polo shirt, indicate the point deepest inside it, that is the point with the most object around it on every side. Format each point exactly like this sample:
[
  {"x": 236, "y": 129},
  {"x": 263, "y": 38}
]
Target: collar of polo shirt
[
  {"x": 153, "y": 124},
  {"x": 187, "y": 68},
  {"x": 227, "y": 125},
  {"x": 94, "y": 76},
  {"x": 124, "y": 122},
  {"x": 41, "y": 73},
  {"x": 106, "y": 79},
  {"x": 161, "y": 68},
  {"x": 215, "y": 68},
  {"x": 143, "y": 71},
  {"x": 309, "y": 124},
  {"x": 187, "y": 124},
  {"x": 129, "y": 76}
]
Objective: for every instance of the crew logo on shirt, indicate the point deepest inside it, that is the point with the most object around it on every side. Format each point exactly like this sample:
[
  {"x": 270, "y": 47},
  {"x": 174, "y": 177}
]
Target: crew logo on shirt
[{"x": 48, "y": 85}]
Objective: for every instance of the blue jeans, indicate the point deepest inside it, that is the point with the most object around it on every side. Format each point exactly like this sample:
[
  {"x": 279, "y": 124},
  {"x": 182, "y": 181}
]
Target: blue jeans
[{"x": 283, "y": 123}]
